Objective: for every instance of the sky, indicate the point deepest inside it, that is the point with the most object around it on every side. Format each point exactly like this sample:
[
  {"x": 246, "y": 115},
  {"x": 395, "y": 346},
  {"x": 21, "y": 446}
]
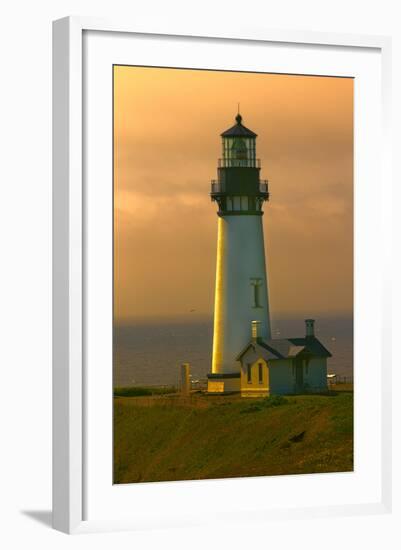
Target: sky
[{"x": 167, "y": 126}]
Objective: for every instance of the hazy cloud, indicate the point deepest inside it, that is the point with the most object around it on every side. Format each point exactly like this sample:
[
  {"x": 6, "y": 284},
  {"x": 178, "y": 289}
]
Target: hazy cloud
[{"x": 167, "y": 126}]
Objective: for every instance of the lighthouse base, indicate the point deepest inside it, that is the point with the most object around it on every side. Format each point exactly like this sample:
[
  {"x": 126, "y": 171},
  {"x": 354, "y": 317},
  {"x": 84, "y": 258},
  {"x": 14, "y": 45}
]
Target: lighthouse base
[{"x": 224, "y": 383}]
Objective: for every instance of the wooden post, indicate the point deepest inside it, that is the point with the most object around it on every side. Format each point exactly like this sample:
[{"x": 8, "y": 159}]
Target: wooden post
[{"x": 185, "y": 382}]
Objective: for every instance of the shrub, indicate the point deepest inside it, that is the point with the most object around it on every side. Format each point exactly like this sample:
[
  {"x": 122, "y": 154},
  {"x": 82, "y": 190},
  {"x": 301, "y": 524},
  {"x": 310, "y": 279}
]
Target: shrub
[
  {"x": 271, "y": 401},
  {"x": 275, "y": 401},
  {"x": 131, "y": 392},
  {"x": 137, "y": 391},
  {"x": 251, "y": 409}
]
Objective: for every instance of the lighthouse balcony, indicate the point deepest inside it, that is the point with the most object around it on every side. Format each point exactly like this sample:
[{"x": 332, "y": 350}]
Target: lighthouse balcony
[
  {"x": 239, "y": 163},
  {"x": 220, "y": 188}
]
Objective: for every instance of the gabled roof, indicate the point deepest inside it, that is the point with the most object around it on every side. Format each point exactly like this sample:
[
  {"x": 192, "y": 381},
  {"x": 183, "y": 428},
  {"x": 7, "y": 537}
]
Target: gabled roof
[
  {"x": 295, "y": 350},
  {"x": 238, "y": 130},
  {"x": 287, "y": 347},
  {"x": 268, "y": 353},
  {"x": 312, "y": 345}
]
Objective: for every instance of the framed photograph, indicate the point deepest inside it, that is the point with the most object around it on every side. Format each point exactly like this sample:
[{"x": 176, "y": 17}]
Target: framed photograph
[{"x": 219, "y": 261}]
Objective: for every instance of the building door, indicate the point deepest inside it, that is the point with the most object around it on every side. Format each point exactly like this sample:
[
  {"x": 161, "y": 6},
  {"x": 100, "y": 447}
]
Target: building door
[{"x": 299, "y": 375}]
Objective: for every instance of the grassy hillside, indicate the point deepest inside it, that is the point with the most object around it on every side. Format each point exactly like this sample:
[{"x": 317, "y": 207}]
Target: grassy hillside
[{"x": 162, "y": 438}]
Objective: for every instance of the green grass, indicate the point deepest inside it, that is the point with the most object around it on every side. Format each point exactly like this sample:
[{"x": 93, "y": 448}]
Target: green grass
[
  {"x": 138, "y": 391},
  {"x": 168, "y": 438}
]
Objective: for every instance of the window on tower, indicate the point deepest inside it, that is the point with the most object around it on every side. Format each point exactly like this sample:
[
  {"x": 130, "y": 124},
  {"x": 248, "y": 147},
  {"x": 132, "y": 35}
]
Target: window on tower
[
  {"x": 256, "y": 298},
  {"x": 244, "y": 203}
]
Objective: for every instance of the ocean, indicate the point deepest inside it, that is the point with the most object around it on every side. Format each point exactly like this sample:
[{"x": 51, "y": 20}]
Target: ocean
[{"x": 150, "y": 353}]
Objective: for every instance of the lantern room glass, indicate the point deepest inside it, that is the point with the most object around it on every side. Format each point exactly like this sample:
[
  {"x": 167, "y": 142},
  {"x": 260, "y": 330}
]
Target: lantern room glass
[{"x": 239, "y": 151}]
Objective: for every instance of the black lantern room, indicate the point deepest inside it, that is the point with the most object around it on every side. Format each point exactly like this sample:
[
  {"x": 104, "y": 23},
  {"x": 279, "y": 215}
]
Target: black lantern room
[
  {"x": 238, "y": 189},
  {"x": 239, "y": 146}
]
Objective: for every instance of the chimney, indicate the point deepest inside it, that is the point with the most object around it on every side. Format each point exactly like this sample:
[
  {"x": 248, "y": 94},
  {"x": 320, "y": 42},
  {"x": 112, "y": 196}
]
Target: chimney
[
  {"x": 310, "y": 329},
  {"x": 255, "y": 331}
]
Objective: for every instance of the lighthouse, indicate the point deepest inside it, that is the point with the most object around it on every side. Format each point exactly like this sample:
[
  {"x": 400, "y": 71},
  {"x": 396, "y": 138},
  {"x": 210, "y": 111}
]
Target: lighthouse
[{"x": 241, "y": 308}]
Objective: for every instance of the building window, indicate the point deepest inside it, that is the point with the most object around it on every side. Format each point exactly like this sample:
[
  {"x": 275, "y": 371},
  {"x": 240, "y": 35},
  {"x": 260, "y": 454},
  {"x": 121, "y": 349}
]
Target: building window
[
  {"x": 256, "y": 284},
  {"x": 260, "y": 373},
  {"x": 249, "y": 373}
]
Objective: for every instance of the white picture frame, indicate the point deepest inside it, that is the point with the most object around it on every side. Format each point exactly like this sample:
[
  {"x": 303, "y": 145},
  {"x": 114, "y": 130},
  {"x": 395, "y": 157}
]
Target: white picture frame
[{"x": 71, "y": 421}]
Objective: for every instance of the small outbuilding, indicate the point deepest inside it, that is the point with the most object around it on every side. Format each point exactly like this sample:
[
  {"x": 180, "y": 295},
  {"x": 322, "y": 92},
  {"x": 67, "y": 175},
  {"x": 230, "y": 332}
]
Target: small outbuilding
[{"x": 283, "y": 366}]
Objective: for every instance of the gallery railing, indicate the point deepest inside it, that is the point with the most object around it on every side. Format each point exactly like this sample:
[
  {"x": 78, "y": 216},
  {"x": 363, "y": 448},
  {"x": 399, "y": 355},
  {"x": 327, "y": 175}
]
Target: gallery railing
[
  {"x": 218, "y": 187},
  {"x": 239, "y": 163}
]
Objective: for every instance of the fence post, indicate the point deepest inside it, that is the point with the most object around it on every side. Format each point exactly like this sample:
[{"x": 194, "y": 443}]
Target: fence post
[{"x": 185, "y": 384}]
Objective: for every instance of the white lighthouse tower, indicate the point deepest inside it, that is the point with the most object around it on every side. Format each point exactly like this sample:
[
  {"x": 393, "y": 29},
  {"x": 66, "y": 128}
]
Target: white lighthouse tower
[{"x": 241, "y": 293}]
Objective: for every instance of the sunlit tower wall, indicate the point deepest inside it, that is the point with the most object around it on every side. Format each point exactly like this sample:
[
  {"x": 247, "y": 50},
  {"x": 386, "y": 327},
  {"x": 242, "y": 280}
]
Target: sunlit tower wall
[{"x": 241, "y": 292}]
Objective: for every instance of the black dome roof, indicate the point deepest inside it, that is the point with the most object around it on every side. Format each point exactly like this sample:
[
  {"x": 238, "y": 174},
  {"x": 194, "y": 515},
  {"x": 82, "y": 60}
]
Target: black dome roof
[{"x": 238, "y": 130}]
